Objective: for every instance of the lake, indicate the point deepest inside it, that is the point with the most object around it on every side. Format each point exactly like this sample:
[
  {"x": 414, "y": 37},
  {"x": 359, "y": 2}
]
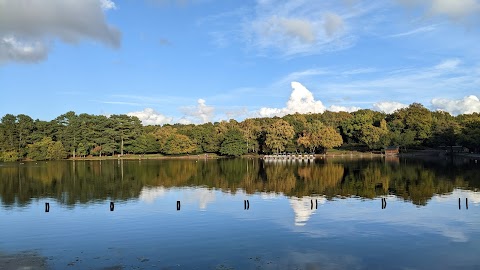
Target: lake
[{"x": 336, "y": 213}]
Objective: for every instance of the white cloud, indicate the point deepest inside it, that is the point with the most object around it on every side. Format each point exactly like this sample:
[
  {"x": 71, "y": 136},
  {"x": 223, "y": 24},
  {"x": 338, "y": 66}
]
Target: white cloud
[
  {"x": 388, "y": 106},
  {"x": 469, "y": 104},
  {"x": 299, "y": 27},
  {"x": 184, "y": 121},
  {"x": 333, "y": 24},
  {"x": 336, "y": 108},
  {"x": 423, "y": 29},
  {"x": 449, "y": 64},
  {"x": 13, "y": 50},
  {"x": 457, "y": 10},
  {"x": 202, "y": 113},
  {"x": 151, "y": 117},
  {"x": 108, "y": 4},
  {"x": 301, "y": 101},
  {"x": 36, "y": 23},
  {"x": 295, "y": 28}
]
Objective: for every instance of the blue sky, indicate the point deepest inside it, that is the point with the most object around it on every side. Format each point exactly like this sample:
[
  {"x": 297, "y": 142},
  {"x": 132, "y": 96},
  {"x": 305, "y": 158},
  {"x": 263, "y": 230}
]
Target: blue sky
[{"x": 193, "y": 61}]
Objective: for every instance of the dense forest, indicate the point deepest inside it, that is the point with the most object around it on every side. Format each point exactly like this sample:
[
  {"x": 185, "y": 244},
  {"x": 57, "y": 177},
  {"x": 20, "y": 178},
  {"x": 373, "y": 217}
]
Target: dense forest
[{"x": 77, "y": 136}]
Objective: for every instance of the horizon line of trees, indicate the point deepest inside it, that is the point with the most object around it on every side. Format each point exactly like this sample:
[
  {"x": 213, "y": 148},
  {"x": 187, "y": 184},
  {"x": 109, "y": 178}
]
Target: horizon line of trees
[{"x": 72, "y": 135}]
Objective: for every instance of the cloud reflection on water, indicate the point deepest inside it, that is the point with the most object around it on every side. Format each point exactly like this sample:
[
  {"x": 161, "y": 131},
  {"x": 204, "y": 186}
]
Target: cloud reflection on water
[
  {"x": 302, "y": 207},
  {"x": 203, "y": 196}
]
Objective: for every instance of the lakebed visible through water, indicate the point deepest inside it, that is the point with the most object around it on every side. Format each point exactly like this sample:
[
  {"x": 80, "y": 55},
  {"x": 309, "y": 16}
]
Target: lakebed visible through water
[{"x": 335, "y": 213}]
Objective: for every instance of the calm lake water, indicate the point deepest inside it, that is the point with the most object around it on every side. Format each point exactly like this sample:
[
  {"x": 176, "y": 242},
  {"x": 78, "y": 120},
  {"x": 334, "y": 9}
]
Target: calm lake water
[{"x": 330, "y": 214}]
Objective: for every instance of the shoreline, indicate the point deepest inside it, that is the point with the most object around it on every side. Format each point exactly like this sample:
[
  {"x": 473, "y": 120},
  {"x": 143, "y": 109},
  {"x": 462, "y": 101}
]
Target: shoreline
[{"x": 213, "y": 156}]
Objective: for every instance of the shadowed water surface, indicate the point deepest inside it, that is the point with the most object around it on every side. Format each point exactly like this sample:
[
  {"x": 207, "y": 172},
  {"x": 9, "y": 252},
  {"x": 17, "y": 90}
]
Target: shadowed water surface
[{"x": 323, "y": 215}]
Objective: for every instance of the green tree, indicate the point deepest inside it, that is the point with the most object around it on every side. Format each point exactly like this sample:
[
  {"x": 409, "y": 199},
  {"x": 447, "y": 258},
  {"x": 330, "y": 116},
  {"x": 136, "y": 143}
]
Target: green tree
[
  {"x": 126, "y": 129},
  {"x": 251, "y": 130},
  {"x": 25, "y": 126},
  {"x": 9, "y": 156},
  {"x": 470, "y": 135},
  {"x": 178, "y": 144},
  {"x": 81, "y": 150},
  {"x": 67, "y": 131},
  {"x": 418, "y": 119},
  {"x": 9, "y": 131},
  {"x": 56, "y": 151},
  {"x": 366, "y": 127},
  {"x": 234, "y": 143},
  {"x": 39, "y": 150},
  {"x": 328, "y": 137},
  {"x": 163, "y": 134},
  {"x": 278, "y": 135},
  {"x": 145, "y": 143}
]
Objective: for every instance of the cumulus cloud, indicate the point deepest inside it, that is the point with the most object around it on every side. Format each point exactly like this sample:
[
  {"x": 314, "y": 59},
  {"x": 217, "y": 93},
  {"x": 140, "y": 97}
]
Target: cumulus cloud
[
  {"x": 336, "y": 108},
  {"x": 301, "y": 101},
  {"x": 388, "y": 106},
  {"x": 202, "y": 113},
  {"x": 469, "y": 104},
  {"x": 13, "y": 50},
  {"x": 151, "y": 117},
  {"x": 31, "y": 25}
]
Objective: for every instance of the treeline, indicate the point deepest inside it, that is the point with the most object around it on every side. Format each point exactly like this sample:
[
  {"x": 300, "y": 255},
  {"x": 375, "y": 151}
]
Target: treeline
[{"x": 72, "y": 135}]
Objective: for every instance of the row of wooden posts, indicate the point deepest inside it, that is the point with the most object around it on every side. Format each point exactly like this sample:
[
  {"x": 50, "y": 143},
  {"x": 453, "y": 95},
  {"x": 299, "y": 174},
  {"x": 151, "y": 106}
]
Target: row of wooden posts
[
  {"x": 246, "y": 205},
  {"x": 460, "y": 203}
]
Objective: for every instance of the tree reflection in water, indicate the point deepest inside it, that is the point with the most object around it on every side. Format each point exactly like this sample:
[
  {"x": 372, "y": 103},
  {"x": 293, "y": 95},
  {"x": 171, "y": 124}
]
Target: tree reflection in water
[{"x": 73, "y": 182}]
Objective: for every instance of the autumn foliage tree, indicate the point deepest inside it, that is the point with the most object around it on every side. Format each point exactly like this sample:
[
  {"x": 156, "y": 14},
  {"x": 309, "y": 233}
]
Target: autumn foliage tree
[
  {"x": 316, "y": 135},
  {"x": 278, "y": 135}
]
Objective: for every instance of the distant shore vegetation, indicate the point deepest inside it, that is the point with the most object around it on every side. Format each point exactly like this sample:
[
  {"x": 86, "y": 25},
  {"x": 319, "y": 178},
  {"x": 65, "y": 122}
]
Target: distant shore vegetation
[{"x": 85, "y": 135}]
